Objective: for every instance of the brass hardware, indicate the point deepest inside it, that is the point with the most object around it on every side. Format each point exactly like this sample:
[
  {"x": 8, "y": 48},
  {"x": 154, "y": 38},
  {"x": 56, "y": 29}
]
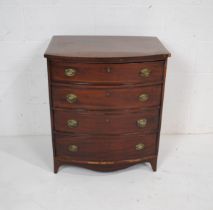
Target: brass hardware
[
  {"x": 108, "y": 69},
  {"x": 143, "y": 97},
  {"x": 142, "y": 123},
  {"x": 73, "y": 148},
  {"x": 72, "y": 123},
  {"x": 145, "y": 72},
  {"x": 139, "y": 146},
  {"x": 70, "y": 72},
  {"x": 71, "y": 98}
]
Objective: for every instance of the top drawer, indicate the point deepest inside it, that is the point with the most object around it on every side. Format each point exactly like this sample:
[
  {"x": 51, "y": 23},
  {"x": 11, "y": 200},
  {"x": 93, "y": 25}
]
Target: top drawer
[{"x": 107, "y": 73}]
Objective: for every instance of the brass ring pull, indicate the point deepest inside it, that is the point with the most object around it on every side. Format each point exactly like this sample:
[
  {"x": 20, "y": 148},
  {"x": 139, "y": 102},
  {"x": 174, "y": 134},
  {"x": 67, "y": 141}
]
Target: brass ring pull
[
  {"x": 145, "y": 72},
  {"x": 72, "y": 123},
  {"x": 70, "y": 72},
  {"x": 73, "y": 148},
  {"x": 71, "y": 98},
  {"x": 142, "y": 122},
  {"x": 139, "y": 146},
  {"x": 143, "y": 97}
]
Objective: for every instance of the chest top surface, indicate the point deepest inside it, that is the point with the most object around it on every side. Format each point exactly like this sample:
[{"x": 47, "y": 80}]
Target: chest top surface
[{"x": 97, "y": 48}]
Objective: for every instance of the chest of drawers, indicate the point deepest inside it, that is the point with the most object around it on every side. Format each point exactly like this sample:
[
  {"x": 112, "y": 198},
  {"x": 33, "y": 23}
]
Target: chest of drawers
[{"x": 106, "y": 97}]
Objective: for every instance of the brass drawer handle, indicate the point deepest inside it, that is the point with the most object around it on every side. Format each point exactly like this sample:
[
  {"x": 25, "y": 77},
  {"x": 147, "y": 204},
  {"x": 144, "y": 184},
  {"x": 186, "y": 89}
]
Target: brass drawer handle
[
  {"x": 143, "y": 97},
  {"x": 139, "y": 146},
  {"x": 71, "y": 98},
  {"x": 73, "y": 148},
  {"x": 145, "y": 72},
  {"x": 72, "y": 123},
  {"x": 142, "y": 123},
  {"x": 70, "y": 72}
]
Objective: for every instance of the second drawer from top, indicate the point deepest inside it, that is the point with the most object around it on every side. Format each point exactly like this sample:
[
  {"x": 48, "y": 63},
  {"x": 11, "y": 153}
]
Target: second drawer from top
[{"x": 105, "y": 98}]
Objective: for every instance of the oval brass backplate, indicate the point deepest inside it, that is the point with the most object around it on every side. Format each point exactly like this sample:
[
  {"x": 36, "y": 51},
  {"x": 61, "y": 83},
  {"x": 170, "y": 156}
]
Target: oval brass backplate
[
  {"x": 143, "y": 97},
  {"x": 139, "y": 146},
  {"x": 72, "y": 123},
  {"x": 73, "y": 148},
  {"x": 71, "y": 98},
  {"x": 70, "y": 72},
  {"x": 142, "y": 123},
  {"x": 145, "y": 72}
]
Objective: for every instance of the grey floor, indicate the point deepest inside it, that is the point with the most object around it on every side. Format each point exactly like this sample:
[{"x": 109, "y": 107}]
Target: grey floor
[{"x": 184, "y": 179}]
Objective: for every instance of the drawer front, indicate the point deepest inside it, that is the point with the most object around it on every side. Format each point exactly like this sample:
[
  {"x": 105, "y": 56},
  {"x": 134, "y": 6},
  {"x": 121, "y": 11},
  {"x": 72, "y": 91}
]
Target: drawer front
[
  {"x": 106, "y": 122},
  {"x": 108, "y": 73},
  {"x": 105, "y": 148},
  {"x": 98, "y": 98}
]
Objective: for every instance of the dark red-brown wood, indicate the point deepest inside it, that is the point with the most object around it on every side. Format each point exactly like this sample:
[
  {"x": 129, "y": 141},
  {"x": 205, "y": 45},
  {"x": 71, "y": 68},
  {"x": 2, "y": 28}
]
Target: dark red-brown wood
[
  {"x": 106, "y": 122},
  {"x": 105, "y": 166},
  {"x": 102, "y": 98},
  {"x": 108, "y": 73},
  {"x": 104, "y": 147},
  {"x": 109, "y": 49},
  {"x": 107, "y": 108}
]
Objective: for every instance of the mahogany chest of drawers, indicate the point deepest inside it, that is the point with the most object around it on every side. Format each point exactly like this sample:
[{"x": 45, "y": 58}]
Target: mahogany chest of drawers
[{"x": 106, "y": 97}]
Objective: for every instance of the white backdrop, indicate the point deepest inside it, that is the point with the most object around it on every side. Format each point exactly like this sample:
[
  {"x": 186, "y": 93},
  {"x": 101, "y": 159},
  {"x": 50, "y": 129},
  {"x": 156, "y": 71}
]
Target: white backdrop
[{"x": 185, "y": 27}]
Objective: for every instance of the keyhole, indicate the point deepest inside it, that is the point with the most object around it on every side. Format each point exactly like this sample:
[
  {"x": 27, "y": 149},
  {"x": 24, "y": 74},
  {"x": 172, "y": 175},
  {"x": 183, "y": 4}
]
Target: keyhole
[
  {"x": 108, "y": 70},
  {"x": 107, "y": 120},
  {"x": 108, "y": 94}
]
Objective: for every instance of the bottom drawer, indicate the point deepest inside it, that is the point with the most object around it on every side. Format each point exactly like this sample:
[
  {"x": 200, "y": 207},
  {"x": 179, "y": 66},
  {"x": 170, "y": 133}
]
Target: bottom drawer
[{"x": 104, "y": 148}]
